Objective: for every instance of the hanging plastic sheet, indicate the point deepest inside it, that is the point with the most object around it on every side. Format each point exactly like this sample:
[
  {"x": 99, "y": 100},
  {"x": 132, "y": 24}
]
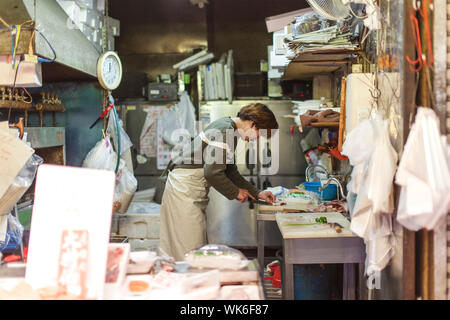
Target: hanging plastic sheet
[
  {"x": 180, "y": 116},
  {"x": 424, "y": 174},
  {"x": 374, "y": 163}
]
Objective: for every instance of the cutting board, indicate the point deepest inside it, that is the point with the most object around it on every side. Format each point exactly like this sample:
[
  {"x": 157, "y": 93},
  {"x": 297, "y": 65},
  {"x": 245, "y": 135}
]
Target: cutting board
[
  {"x": 312, "y": 231},
  {"x": 288, "y": 207}
]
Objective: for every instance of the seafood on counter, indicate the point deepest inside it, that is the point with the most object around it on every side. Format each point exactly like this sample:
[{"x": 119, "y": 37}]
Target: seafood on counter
[{"x": 333, "y": 206}]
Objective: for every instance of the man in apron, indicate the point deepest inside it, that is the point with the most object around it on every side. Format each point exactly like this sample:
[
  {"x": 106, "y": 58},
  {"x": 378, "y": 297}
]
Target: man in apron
[{"x": 209, "y": 161}]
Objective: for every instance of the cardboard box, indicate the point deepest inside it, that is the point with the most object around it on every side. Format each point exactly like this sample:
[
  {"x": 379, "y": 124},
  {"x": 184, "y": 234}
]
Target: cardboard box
[
  {"x": 139, "y": 225},
  {"x": 29, "y": 74},
  {"x": 144, "y": 244}
]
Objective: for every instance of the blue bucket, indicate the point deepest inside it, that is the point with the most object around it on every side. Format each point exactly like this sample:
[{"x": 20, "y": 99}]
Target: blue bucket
[
  {"x": 329, "y": 193},
  {"x": 316, "y": 282}
]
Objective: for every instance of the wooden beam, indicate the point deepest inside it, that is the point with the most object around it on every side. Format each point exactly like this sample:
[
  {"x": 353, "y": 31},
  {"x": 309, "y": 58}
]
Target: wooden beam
[
  {"x": 409, "y": 103},
  {"x": 439, "y": 79}
]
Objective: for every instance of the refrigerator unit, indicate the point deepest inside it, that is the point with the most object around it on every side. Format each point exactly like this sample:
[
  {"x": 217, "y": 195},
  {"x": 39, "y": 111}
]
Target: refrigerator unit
[{"x": 133, "y": 114}]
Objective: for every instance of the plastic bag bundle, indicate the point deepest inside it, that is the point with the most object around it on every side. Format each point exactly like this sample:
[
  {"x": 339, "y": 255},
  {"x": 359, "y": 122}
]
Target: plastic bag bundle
[
  {"x": 309, "y": 22},
  {"x": 102, "y": 156},
  {"x": 384, "y": 159},
  {"x": 14, "y": 234},
  {"x": 303, "y": 197},
  {"x": 374, "y": 160},
  {"x": 217, "y": 257},
  {"x": 278, "y": 191},
  {"x": 424, "y": 174},
  {"x": 126, "y": 185}
]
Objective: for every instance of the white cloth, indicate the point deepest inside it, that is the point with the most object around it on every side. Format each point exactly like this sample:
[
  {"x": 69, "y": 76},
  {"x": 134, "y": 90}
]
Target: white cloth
[
  {"x": 424, "y": 174},
  {"x": 183, "y": 212},
  {"x": 374, "y": 163}
]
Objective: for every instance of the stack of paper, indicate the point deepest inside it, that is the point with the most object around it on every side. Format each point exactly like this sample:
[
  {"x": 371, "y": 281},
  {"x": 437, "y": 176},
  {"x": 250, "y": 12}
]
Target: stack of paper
[
  {"x": 325, "y": 39},
  {"x": 216, "y": 79}
]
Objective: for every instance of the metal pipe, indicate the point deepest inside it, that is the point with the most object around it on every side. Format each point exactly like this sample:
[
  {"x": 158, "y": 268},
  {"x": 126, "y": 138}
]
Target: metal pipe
[
  {"x": 310, "y": 167},
  {"x": 341, "y": 189}
]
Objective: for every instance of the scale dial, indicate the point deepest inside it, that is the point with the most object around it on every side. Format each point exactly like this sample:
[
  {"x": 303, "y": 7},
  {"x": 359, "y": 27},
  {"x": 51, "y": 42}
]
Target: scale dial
[{"x": 109, "y": 70}]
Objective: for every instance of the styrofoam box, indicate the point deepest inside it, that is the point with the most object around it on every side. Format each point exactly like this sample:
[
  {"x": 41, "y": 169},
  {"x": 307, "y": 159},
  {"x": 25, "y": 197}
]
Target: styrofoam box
[
  {"x": 86, "y": 3},
  {"x": 91, "y": 18},
  {"x": 114, "y": 26},
  {"x": 144, "y": 244},
  {"x": 139, "y": 225}
]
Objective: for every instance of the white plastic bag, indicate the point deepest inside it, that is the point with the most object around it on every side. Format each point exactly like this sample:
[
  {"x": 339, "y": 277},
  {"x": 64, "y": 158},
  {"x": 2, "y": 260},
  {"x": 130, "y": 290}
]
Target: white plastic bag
[
  {"x": 180, "y": 116},
  {"x": 424, "y": 174},
  {"x": 13, "y": 238},
  {"x": 126, "y": 185},
  {"x": 383, "y": 160},
  {"x": 374, "y": 163},
  {"x": 101, "y": 156},
  {"x": 217, "y": 257}
]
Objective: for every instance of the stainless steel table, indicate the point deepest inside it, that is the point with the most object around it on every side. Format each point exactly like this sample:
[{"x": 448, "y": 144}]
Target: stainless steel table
[{"x": 267, "y": 213}]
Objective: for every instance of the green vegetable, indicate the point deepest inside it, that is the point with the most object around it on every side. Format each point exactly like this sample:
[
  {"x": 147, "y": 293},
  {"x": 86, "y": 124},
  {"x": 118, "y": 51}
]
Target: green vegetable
[{"x": 321, "y": 220}]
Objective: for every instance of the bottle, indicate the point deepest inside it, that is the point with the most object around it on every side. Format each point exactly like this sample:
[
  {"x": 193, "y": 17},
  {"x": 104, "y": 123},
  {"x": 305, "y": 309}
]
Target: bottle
[{"x": 323, "y": 103}]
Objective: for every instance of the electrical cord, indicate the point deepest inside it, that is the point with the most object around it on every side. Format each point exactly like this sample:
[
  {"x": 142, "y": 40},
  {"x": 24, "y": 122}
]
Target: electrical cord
[
  {"x": 50, "y": 46},
  {"x": 40, "y": 59},
  {"x": 116, "y": 116},
  {"x": 14, "y": 85}
]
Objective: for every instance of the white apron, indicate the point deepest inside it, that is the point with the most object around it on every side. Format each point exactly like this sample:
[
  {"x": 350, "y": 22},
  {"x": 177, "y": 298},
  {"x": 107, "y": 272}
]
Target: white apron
[{"x": 183, "y": 209}]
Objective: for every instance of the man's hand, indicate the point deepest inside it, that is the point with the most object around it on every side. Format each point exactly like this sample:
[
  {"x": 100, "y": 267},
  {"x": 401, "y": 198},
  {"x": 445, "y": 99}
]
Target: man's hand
[
  {"x": 244, "y": 195},
  {"x": 267, "y": 196}
]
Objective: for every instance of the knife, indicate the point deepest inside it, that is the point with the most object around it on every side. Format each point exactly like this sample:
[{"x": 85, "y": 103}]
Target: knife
[{"x": 104, "y": 113}]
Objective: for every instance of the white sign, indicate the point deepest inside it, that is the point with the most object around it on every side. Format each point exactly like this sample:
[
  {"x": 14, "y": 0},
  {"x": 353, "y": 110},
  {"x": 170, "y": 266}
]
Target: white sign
[{"x": 70, "y": 230}]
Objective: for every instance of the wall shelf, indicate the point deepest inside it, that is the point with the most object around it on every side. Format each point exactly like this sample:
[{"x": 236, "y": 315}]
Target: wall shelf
[{"x": 306, "y": 65}]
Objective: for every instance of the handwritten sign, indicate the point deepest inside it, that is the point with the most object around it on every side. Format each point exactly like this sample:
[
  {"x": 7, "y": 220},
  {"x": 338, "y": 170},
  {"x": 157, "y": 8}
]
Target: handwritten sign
[
  {"x": 73, "y": 263},
  {"x": 70, "y": 230}
]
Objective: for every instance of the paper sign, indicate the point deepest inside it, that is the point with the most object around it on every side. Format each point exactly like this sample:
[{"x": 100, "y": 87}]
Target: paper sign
[
  {"x": 14, "y": 153},
  {"x": 71, "y": 218},
  {"x": 164, "y": 153},
  {"x": 73, "y": 262}
]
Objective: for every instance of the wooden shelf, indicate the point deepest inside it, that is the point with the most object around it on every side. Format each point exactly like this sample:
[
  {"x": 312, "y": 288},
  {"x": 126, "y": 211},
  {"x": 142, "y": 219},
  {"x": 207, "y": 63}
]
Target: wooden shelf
[
  {"x": 306, "y": 65},
  {"x": 324, "y": 125},
  {"x": 327, "y": 55},
  {"x": 330, "y": 124},
  {"x": 297, "y": 70}
]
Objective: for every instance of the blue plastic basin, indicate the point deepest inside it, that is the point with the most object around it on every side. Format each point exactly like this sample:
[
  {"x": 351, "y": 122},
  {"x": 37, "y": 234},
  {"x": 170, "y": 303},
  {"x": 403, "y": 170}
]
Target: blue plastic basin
[{"x": 329, "y": 193}]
